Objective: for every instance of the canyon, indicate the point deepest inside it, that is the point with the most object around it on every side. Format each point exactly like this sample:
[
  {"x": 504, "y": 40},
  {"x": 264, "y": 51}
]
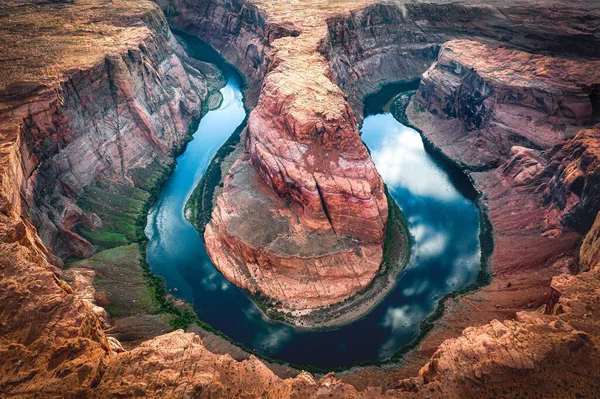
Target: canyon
[{"x": 98, "y": 98}]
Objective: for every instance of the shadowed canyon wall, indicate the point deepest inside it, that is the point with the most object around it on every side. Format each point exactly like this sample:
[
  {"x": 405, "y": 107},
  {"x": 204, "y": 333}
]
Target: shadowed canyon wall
[
  {"x": 237, "y": 29},
  {"x": 104, "y": 125}
]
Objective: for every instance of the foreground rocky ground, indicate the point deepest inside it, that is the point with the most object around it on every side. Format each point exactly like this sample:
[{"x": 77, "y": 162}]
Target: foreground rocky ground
[{"x": 73, "y": 119}]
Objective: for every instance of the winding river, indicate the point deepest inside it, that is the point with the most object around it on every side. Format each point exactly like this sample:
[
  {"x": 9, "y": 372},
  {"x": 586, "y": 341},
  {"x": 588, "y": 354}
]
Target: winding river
[{"x": 445, "y": 254}]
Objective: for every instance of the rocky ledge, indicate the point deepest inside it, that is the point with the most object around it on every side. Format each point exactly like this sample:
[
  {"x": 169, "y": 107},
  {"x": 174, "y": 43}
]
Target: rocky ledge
[{"x": 493, "y": 98}]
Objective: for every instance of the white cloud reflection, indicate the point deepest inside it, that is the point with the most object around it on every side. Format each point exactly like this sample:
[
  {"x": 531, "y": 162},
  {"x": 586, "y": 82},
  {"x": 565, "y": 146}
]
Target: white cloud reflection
[
  {"x": 215, "y": 281},
  {"x": 400, "y": 157},
  {"x": 428, "y": 242},
  {"x": 463, "y": 267},
  {"x": 400, "y": 320},
  {"x": 274, "y": 338},
  {"x": 417, "y": 288}
]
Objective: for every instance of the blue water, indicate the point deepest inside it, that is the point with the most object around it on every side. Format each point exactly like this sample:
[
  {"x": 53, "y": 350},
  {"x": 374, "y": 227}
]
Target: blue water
[{"x": 445, "y": 254}]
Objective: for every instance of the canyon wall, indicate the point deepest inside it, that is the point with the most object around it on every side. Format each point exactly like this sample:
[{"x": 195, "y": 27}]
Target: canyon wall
[
  {"x": 237, "y": 29},
  {"x": 484, "y": 100},
  {"x": 95, "y": 106},
  {"x": 388, "y": 42},
  {"x": 104, "y": 125}
]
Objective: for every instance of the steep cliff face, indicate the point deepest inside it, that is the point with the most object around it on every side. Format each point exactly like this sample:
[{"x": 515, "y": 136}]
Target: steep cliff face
[
  {"x": 574, "y": 186},
  {"x": 71, "y": 119},
  {"x": 484, "y": 100},
  {"x": 385, "y": 43},
  {"x": 104, "y": 124},
  {"x": 302, "y": 214},
  {"x": 238, "y": 29}
]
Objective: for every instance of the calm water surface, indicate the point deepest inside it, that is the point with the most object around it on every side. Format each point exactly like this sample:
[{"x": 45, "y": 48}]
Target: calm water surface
[{"x": 445, "y": 253}]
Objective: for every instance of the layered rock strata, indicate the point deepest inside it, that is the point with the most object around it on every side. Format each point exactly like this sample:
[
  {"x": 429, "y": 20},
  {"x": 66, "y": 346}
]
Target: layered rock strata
[
  {"x": 99, "y": 117},
  {"x": 491, "y": 99},
  {"x": 302, "y": 215},
  {"x": 239, "y": 30},
  {"x": 390, "y": 42}
]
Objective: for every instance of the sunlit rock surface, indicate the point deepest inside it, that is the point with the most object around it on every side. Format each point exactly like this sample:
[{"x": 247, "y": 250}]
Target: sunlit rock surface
[{"x": 307, "y": 184}]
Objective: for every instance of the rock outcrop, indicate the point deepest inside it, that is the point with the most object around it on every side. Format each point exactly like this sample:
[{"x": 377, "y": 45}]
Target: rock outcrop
[
  {"x": 302, "y": 215},
  {"x": 238, "y": 29},
  {"x": 112, "y": 115},
  {"x": 589, "y": 253},
  {"x": 574, "y": 186},
  {"x": 491, "y": 99},
  {"x": 388, "y": 42}
]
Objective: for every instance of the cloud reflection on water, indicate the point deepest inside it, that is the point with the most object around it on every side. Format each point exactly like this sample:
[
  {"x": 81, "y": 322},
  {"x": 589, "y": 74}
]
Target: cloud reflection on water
[{"x": 401, "y": 159}]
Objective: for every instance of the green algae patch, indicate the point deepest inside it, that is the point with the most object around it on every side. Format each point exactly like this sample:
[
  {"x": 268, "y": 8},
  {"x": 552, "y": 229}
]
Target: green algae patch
[{"x": 121, "y": 287}]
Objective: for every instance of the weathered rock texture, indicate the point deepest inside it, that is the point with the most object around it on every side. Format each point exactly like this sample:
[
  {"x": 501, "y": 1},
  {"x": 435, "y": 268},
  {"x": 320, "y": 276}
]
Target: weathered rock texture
[
  {"x": 574, "y": 186},
  {"x": 496, "y": 98},
  {"x": 238, "y": 29},
  {"x": 302, "y": 214},
  {"x": 390, "y": 42},
  {"x": 101, "y": 117},
  {"x": 589, "y": 254}
]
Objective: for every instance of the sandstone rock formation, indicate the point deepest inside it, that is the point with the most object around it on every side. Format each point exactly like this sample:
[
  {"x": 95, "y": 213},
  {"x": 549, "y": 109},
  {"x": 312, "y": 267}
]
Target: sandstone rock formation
[
  {"x": 239, "y": 30},
  {"x": 389, "y": 42},
  {"x": 574, "y": 186},
  {"x": 136, "y": 97},
  {"x": 589, "y": 254},
  {"x": 496, "y": 98},
  {"x": 302, "y": 216}
]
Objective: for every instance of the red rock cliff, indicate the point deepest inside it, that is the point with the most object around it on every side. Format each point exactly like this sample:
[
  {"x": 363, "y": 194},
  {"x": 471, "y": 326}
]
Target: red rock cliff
[{"x": 302, "y": 214}]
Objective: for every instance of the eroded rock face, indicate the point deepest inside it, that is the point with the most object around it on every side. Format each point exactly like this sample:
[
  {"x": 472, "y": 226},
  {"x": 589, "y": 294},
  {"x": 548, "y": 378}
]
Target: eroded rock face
[
  {"x": 495, "y": 352},
  {"x": 317, "y": 160},
  {"x": 105, "y": 123},
  {"x": 385, "y": 43},
  {"x": 307, "y": 183},
  {"x": 495, "y": 98},
  {"x": 238, "y": 29},
  {"x": 574, "y": 186}
]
